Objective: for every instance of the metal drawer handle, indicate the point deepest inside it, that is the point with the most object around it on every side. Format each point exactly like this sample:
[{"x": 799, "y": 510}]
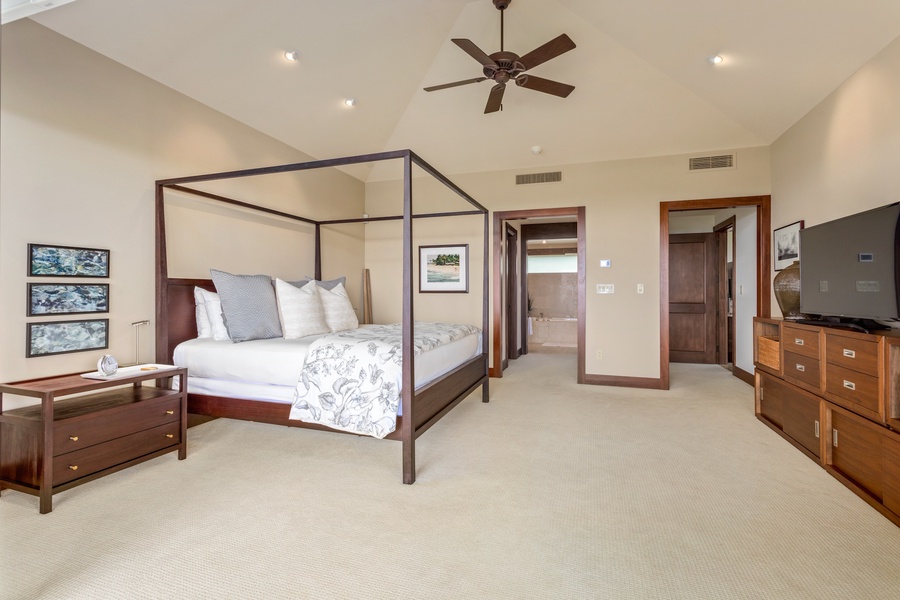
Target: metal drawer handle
[
  {"x": 849, "y": 385},
  {"x": 800, "y": 367},
  {"x": 849, "y": 353},
  {"x": 834, "y": 438},
  {"x": 798, "y": 341},
  {"x": 73, "y": 467},
  {"x": 170, "y": 435},
  {"x": 170, "y": 412},
  {"x": 817, "y": 428},
  {"x": 74, "y": 438}
]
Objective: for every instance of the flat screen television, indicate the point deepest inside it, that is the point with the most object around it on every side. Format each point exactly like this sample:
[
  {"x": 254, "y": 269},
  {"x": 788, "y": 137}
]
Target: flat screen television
[{"x": 848, "y": 268}]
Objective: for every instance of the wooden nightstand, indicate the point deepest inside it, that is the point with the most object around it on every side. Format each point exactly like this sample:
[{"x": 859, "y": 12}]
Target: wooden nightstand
[{"x": 62, "y": 443}]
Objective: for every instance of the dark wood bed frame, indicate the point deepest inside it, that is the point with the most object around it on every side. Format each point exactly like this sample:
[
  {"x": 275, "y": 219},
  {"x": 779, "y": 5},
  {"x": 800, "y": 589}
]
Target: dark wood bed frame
[{"x": 423, "y": 407}]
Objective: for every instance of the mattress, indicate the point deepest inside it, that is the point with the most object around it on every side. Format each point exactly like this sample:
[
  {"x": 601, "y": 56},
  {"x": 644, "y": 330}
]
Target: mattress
[{"x": 269, "y": 369}]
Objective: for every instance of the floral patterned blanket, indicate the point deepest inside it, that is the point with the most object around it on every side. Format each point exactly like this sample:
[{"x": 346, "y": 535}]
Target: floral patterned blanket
[{"x": 351, "y": 379}]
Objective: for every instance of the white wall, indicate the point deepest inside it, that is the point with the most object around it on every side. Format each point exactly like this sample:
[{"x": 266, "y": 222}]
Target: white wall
[
  {"x": 82, "y": 141},
  {"x": 842, "y": 157}
]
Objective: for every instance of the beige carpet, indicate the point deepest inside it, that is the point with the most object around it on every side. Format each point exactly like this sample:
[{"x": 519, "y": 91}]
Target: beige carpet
[{"x": 553, "y": 490}]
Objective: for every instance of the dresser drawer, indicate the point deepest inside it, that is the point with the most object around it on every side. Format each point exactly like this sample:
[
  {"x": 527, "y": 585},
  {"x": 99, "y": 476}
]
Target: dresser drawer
[
  {"x": 95, "y": 428},
  {"x": 801, "y": 341},
  {"x": 857, "y": 355},
  {"x": 852, "y": 390},
  {"x": 108, "y": 454},
  {"x": 798, "y": 367}
]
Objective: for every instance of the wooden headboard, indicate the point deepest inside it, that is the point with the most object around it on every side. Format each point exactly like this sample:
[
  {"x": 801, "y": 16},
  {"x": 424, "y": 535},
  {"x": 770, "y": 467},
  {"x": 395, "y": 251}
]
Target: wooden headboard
[{"x": 176, "y": 321}]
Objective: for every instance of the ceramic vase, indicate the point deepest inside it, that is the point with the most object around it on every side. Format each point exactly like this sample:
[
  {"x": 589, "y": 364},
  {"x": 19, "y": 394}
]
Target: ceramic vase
[{"x": 787, "y": 291}]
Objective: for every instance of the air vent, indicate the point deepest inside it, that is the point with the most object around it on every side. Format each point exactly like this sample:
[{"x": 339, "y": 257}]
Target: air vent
[
  {"x": 724, "y": 161},
  {"x": 550, "y": 177}
]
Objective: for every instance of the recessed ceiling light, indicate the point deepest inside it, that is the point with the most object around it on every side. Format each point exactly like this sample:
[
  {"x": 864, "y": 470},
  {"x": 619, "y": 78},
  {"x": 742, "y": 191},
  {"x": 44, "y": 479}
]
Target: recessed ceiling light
[
  {"x": 536, "y": 150},
  {"x": 715, "y": 59},
  {"x": 292, "y": 55},
  {"x": 350, "y": 102}
]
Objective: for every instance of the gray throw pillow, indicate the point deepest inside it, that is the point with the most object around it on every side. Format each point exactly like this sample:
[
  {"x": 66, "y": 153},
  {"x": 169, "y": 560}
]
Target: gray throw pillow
[
  {"x": 328, "y": 284},
  {"x": 248, "y": 305}
]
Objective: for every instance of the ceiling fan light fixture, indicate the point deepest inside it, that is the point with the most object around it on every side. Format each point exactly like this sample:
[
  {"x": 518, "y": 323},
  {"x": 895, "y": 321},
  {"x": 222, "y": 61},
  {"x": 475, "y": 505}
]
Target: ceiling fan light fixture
[{"x": 715, "y": 59}]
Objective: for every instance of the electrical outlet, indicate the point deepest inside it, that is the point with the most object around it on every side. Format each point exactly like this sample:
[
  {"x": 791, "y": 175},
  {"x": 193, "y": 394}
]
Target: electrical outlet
[
  {"x": 640, "y": 288},
  {"x": 599, "y": 354}
]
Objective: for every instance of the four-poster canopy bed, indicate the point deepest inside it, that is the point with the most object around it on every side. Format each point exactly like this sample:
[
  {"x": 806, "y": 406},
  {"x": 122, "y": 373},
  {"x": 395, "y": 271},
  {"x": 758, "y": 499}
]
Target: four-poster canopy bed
[{"x": 421, "y": 407}]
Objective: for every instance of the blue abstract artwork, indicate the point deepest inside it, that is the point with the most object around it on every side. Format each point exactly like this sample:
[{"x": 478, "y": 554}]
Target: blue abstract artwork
[
  {"x": 60, "y": 299},
  {"x": 64, "y": 261},
  {"x": 61, "y": 337}
]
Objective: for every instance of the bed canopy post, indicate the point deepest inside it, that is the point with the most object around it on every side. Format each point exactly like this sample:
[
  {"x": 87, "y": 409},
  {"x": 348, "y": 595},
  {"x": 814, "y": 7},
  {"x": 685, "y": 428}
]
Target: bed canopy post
[
  {"x": 318, "y": 253},
  {"x": 162, "y": 275},
  {"x": 485, "y": 305},
  {"x": 407, "y": 433}
]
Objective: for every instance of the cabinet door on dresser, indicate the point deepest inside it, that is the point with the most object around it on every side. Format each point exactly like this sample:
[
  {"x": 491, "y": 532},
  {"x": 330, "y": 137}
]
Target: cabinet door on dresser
[
  {"x": 771, "y": 399},
  {"x": 856, "y": 451},
  {"x": 801, "y": 420},
  {"x": 891, "y": 446}
]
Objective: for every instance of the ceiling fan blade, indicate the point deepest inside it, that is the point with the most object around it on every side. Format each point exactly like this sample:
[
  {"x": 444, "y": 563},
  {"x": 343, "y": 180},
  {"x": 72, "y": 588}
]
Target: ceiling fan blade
[
  {"x": 444, "y": 86},
  {"x": 495, "y": 99},
  {"x": 552, "y": 49},
  {"x": 475, "y": 52},
  {"x": 547, "y": 86}
]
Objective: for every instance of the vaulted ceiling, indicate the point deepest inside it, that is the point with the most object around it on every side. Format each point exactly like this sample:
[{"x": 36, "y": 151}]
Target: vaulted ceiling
[{"x": 643, "y": 84}]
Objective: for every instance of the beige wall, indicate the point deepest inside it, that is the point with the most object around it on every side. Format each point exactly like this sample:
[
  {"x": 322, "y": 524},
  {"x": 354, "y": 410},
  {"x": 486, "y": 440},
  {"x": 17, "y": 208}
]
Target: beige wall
[
  {"x": 842, "y": 157},
  {"x": 622, "y": 220},
  {"x": 82, "y": 140}
]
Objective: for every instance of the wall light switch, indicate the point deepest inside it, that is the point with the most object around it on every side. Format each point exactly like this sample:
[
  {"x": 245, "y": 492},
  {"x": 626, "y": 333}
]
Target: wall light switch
[
  {"x": 606, "y": 288},
  {"x": 605, "y": 262},
  {"x": 640, "y": 288}
]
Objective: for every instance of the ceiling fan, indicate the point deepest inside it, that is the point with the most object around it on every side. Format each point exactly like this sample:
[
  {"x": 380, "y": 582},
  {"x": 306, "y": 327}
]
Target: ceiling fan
[{"x": 504, "y": 66}]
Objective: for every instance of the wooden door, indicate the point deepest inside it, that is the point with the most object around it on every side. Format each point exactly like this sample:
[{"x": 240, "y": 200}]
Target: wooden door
[
  {"x": 512, "y": 293},
  {"x": 693, "y": 287}
]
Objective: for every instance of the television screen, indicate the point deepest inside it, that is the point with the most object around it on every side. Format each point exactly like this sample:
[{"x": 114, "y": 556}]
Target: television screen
[{"x": 848, "y": 266}]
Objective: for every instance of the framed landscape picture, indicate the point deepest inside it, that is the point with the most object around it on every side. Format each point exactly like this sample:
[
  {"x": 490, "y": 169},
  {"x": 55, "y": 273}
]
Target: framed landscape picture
[
  {"x": 61, "y": 337},
  {"x": 67, "y": 261},
  {"x": 787, "y": 244},
  {"x": 67, "y": 298},
  {"x": 444, "y": 268}
]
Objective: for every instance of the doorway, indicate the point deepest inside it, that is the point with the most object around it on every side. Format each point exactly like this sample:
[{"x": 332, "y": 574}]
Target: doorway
[
  {"x": 500, "y": 294},
  {"x": 762, "y": 264}
]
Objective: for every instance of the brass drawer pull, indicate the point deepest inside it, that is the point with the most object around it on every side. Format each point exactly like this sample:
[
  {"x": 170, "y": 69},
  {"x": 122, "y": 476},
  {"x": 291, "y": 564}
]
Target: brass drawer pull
[
  {"x": 800, "y": 367},
  {"x": 170, "y": 435},
  {"x": 849, "y": 385},
  {"x": 849, "y": 353},
  {"x": 798, "y": 341},
  {"x": 73, "y": 467},
  {"x": 74, "y": 438},
  {"x": 170, "y": 412}
]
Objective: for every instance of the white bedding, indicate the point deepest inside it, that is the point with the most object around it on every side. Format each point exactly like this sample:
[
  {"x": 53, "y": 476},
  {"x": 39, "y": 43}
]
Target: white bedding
[{"x": 269, "y": 369}]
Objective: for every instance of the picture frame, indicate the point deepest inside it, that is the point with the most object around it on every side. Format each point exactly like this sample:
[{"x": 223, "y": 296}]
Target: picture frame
[
  {"x": 786, "y": 244},
  {"x": 63, "y": 337},
  {"x": 67, "y": 261},
  {"x": 67, "y": 298},
  {"x": 444, "y": 269}
]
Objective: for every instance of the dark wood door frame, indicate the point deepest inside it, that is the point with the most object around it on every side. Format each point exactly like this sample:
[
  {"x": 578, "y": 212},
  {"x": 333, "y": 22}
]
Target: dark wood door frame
[
  {"x": 496, "y": 285},
  {"x": 511, "y": 241},
  {"x": 726, "y": 345},
  {"x": 763, "y": 206}
]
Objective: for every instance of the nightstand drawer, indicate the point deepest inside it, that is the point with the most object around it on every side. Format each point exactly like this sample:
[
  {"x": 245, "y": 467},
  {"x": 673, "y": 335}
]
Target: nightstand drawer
[
  {"x": 102, "y": 456},
  {"x": 858, "y": 355},
  {"x": 800, "y": 341},
  {"x": 852, "y": 390},
  {"x": 95, "y": 428},
  {"x": 801, "y": 368}
]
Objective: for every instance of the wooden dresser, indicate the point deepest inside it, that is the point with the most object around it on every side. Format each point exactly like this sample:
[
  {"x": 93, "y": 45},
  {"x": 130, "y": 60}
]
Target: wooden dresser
[
  {"x": 66, "y": 441},
  {"x": 835, "y": 395}
]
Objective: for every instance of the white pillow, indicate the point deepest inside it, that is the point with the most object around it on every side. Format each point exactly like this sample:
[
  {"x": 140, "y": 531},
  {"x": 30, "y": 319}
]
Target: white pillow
[
  {"x": 300, "y": 310},
  {"x": 339, "y": 313},
  {"x": 217, "y": 328},
  {"x": 204, "y": 330}
]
